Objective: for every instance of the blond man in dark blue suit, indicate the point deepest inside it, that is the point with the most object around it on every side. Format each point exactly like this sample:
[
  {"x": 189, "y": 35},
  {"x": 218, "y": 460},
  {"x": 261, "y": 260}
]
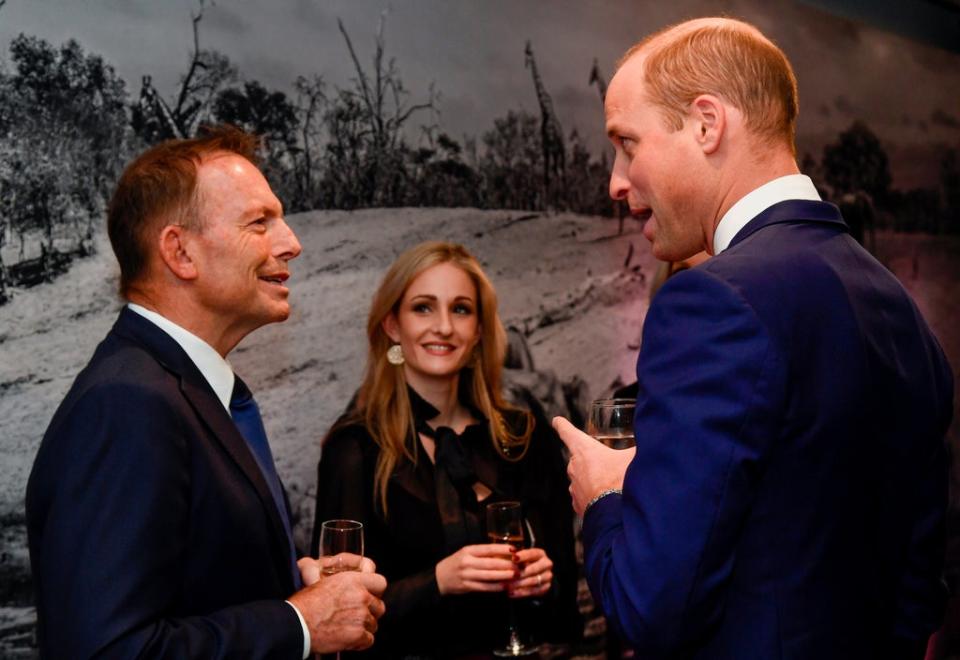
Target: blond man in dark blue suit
[
  {"x": 157, "y": 523},
  {"x": 787, "y": 492}
]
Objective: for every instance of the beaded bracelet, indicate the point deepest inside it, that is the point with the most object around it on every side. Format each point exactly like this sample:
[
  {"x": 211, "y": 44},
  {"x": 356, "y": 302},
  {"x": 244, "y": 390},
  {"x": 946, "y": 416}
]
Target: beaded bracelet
[{"x": 600, "y": 496}]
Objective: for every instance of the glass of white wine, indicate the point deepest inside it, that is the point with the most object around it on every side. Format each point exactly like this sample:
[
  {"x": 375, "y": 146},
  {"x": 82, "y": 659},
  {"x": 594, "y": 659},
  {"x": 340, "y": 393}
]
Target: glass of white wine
[
  {"x": 341, "y": 546},
  {"x": 611, "y": 422},
  {"x": 505, "y": 525}
]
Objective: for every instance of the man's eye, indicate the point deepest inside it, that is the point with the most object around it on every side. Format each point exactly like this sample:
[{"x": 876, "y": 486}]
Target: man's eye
[{"x": 628, "y": 144}]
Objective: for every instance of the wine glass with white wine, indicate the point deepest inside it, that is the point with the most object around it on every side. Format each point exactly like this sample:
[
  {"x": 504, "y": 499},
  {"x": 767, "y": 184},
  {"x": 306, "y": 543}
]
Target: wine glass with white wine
[
  {"x": 611, "y": 422},
  {"x": 341, "y": 547}
]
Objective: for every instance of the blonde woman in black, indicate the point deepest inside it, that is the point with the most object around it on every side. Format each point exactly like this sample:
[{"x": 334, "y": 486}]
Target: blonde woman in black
[{"x": 428, "y": 444}]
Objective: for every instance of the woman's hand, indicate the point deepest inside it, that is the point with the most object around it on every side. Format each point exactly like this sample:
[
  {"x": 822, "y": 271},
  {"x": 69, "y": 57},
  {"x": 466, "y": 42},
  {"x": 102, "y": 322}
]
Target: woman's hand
[
  {"x": 537, "y": 574},
  {"x": 485, "y": 567}
]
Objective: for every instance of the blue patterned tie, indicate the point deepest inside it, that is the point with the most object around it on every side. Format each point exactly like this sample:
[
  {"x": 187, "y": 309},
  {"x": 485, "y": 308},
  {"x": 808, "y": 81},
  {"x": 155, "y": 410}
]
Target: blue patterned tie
[{"x": 246, "y": 415}]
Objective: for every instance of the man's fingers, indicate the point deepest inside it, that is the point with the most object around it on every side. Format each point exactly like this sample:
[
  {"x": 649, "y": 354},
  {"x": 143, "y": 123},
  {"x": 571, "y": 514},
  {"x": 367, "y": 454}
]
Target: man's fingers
[
  {"x": 572, "y": 436},
  {"x": 365, "y": 642},
  {"x": 367, "y": 566},
  {"x": 377, "y": 607},
  {"x": 373, "y": 582}
]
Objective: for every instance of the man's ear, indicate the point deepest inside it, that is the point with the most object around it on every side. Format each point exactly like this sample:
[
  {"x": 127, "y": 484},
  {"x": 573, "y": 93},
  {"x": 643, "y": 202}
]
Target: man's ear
[
  {"x": 391, "y": 327},
  {"x": 174, "y": 252},
  {"x": 709, "y": 117}
]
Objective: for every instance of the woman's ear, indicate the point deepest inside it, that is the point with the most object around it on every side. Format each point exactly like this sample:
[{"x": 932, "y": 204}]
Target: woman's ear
[
  {"x": 709, "y": 117},
  {"x": 391, "y": 326},
  {"x": 174, "y": 253}
]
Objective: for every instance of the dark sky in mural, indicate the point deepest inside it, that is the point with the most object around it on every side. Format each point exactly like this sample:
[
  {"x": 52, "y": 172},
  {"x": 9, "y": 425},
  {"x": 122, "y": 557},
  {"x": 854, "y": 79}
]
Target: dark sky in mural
[{"x": 473, "y": 53}]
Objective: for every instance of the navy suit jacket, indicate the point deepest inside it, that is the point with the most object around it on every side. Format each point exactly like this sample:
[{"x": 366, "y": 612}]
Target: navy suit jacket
[
  {"x": 152, "y": 531},
  {"x": 788, "y": 492}
]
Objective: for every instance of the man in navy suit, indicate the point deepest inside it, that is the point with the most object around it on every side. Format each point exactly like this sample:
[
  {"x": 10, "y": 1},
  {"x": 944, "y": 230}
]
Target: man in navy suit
[
  {"x": 786, "y": 495},
  {"x": 157, "y": 523}
]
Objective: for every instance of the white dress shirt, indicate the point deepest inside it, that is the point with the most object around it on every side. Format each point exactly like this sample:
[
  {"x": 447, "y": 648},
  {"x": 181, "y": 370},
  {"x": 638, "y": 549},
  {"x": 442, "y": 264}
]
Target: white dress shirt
[
  {"x": 758, "y": 200},
  {"x": 219, "y": 374}
]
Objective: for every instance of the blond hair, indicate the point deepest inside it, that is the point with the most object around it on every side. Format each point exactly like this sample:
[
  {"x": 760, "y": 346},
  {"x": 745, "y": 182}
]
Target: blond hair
[
  {"x": 382, "y": 402},
  {"x": 727, "y": 58}
]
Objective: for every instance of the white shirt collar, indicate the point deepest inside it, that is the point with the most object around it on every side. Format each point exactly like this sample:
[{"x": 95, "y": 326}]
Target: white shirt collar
[
  {"x": 215, "y": 369},
  {"x": 755, "y": 202}
]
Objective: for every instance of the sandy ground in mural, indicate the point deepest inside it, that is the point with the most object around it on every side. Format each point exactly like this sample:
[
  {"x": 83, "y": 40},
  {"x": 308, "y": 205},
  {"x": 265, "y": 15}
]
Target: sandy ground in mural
[{"x": 575, "y": 287}]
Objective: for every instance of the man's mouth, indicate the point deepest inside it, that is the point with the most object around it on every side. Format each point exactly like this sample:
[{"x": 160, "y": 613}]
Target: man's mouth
[
  {"x": 641, "y": 213},
  {"x": 278, "y": 278}
]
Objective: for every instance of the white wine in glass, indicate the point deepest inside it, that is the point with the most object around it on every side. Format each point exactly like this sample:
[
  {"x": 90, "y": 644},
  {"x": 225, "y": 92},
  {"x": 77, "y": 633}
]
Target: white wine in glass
[
  {"x": 341, "y": 546},
  {"x": 611, "y": 422}
]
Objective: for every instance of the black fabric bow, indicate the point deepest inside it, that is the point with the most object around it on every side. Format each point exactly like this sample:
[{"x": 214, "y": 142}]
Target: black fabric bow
[{"x": 454, "y": 476}]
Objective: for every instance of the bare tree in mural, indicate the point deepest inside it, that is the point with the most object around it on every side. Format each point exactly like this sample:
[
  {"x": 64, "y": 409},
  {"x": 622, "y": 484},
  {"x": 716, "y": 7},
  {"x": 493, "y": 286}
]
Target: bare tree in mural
[
  {"x": 366, "y": 158},
  {"x": 310, "y": 105},
  {"x": 207, "y": 74}
]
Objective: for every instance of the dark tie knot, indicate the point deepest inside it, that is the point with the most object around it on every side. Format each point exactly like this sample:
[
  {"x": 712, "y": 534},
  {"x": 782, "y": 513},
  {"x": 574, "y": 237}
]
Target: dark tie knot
[{"x": 241, "y": 397}]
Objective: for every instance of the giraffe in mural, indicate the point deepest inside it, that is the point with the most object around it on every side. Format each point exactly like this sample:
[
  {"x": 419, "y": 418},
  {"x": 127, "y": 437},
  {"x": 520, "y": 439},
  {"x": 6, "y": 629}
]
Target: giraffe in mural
[{"x": 551, "y": 134}]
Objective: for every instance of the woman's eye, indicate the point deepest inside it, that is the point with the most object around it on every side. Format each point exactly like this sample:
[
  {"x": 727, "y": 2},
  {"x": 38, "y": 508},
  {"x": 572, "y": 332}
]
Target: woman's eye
[
  {"x": 421, "y": 308},
  {"x": 466, "y": 310}
]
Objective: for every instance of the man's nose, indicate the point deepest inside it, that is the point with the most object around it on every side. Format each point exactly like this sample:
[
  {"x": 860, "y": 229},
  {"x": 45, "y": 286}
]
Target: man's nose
[
  {"x": 619, "y": 183},
  {"x": 287, "y": 243}
]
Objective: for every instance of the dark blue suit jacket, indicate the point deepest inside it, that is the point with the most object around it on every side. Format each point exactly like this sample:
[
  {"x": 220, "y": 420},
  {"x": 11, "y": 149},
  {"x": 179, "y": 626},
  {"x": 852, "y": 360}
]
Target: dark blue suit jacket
[
  {"x": 152, "y": 531},
  {"x": 788, "y": 492}
]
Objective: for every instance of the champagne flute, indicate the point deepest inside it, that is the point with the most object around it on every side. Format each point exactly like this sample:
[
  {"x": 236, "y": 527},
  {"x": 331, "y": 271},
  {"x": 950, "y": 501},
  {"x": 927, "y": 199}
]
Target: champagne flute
[
  {"x": 505, "y": 525},
  {"x": 341, "y": 547},
  {"x": 611, "y": 422}
]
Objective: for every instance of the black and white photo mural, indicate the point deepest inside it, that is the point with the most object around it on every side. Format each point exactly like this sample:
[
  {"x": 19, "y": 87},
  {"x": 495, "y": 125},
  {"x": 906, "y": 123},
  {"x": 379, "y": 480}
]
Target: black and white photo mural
[{"x": 385, "y": 124}]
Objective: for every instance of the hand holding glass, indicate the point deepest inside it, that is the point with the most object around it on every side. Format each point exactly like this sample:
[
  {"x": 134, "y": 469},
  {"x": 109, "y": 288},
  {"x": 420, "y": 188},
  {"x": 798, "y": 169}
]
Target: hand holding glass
[{"x": 611, "y": 422}]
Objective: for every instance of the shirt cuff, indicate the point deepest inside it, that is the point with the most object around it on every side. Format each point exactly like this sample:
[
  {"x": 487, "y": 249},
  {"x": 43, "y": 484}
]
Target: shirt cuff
[{"x": 306, "y": 631}]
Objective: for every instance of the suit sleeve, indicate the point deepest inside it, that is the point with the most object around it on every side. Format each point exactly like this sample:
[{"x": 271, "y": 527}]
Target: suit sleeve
[
  {"x": 660, "y": 555},
  {"x": 114, "y": 538}
]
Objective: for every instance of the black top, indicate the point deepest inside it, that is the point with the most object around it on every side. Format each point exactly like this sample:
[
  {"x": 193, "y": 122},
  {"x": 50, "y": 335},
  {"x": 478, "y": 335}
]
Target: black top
[{"x": 422, "y": 528}]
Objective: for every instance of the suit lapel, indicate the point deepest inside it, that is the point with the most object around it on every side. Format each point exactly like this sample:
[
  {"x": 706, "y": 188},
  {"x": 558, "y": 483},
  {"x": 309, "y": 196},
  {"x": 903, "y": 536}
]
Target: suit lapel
[
  {"x": 196, "y": 390},
  {"x": 793, "y": 211}
]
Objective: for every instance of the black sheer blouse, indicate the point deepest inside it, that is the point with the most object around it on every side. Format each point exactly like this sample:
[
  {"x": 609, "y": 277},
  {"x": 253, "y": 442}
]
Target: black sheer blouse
[{"x": 432, "y": 512}]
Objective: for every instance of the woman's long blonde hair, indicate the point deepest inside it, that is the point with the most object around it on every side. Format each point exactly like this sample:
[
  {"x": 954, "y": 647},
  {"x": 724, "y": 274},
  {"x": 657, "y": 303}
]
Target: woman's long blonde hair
[{"x": 383, "y": 404}]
